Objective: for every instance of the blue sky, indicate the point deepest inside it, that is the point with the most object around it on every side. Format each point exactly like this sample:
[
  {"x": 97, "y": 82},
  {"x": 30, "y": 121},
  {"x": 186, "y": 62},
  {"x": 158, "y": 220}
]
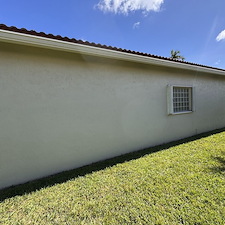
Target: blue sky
[{"x": 195, "y": 27}]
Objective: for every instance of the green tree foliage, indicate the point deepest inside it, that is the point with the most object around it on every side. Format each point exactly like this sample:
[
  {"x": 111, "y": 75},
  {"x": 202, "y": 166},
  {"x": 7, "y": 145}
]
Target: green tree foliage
[{"x": 174, "y": 54}]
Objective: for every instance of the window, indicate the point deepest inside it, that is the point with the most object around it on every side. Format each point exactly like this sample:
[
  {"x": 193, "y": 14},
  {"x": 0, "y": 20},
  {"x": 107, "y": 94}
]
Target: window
[{"x": 180, "y": 99}]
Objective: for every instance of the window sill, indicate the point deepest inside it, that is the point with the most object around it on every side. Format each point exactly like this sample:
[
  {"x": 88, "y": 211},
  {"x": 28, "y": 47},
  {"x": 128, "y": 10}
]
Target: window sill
[{"x": 180, "y": 113}]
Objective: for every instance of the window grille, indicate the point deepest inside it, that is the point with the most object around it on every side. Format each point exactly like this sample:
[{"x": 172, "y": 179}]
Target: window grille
[
  {"x": 182, "y": 98},
  {"x": 179, "y": 99}
]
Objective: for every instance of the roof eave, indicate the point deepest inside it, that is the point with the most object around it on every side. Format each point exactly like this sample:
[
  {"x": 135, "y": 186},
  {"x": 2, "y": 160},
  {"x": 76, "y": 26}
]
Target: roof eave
[{"x": 48, "y": 43}]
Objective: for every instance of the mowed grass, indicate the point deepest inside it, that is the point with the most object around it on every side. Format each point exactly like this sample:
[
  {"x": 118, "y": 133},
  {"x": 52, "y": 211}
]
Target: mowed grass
[{"x": 183, "y": 184}]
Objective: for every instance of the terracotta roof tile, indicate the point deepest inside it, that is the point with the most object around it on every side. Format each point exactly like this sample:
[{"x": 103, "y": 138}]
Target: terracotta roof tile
[{"x": 73, "y": 40}]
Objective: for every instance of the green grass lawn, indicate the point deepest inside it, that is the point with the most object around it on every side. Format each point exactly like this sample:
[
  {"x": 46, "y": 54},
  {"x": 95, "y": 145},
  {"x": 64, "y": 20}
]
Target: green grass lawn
[{"x": 180, "y": 184}]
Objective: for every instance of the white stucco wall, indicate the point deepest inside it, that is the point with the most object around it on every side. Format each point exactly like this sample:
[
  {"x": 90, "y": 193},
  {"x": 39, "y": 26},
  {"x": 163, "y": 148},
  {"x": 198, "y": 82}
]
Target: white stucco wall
[{"x": 60, "y": 110}]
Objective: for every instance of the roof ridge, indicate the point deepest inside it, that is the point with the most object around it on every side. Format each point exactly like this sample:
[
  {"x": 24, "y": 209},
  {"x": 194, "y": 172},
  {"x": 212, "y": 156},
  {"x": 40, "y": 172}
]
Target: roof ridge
[{"x": 73, "y": 40}]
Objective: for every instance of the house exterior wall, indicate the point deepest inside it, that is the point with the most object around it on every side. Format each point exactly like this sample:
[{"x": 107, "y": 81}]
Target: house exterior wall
[{"x": 61, "y": 110}]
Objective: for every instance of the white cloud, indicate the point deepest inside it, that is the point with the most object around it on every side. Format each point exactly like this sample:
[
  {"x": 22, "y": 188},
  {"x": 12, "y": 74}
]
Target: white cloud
[
  {"x": 218, "y": 62},
  {"x": 126, "y": 6},
  {"x": 136, "y": 25},
  {"x": 221, "y": 36}
]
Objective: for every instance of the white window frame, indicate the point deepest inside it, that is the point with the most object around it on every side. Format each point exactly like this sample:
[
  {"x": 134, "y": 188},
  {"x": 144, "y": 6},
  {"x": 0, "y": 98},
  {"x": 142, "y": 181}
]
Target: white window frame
[{"x": 170, "y": 99}]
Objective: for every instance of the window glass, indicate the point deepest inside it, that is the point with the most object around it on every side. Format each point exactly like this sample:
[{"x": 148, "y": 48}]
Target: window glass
[{"x": 182, "y": 99}]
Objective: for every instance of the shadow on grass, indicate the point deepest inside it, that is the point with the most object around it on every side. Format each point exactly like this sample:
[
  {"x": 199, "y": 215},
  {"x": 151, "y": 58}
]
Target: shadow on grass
[
  {"x": 71, "y": 174},
  {"x": 221, "y": 161}
]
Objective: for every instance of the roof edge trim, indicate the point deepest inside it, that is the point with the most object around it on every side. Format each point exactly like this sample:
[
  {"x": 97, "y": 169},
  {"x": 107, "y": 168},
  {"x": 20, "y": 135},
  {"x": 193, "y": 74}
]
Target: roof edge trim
[{"x": 48, "y": 43}]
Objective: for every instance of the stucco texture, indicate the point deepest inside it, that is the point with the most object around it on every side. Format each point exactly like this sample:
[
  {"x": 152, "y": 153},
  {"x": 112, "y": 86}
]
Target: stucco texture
[{"x": 61, "y": 110}]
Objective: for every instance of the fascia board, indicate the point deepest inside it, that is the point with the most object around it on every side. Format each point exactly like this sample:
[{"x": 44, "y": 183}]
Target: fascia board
[{"x": 36, "y": 41}]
